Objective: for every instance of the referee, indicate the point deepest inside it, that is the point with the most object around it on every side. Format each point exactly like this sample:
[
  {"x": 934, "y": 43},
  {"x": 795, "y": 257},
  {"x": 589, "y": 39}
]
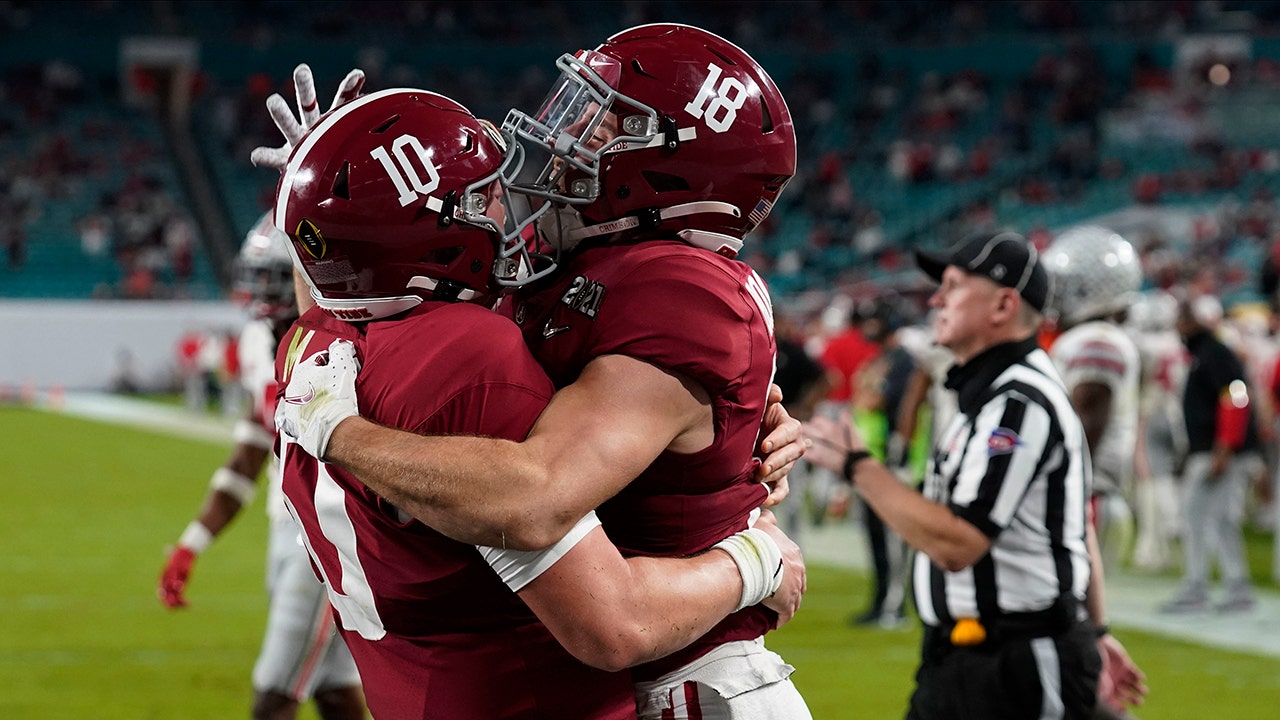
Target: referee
[{"x": 1002, "y": 567}]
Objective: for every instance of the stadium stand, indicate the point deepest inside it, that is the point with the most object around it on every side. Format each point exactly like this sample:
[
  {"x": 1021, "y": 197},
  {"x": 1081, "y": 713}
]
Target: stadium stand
[{"x": 917, "y": 121}]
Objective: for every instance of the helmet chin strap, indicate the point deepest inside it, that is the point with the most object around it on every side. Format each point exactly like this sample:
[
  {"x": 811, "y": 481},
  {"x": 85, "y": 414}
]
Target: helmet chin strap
[
  {"x": 652, "y": 218},
  {"x": 444, "y": 290}
]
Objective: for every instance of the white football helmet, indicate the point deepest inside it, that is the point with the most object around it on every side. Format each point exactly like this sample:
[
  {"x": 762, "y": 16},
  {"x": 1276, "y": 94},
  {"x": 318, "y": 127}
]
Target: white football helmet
[
  {"x": 1154, "y": 311},
  {"x": 264, "y": 272},
  {"x": 1095, "y": 271}
]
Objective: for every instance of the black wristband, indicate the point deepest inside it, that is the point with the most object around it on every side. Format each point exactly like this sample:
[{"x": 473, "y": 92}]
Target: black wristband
[
  {"x": 1102, "y": 630},
  {"x": 851, "y": 460}
]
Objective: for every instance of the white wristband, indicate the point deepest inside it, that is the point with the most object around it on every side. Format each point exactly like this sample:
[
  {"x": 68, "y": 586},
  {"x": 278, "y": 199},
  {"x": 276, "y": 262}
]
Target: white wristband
[
  {"x": 248, "y": 432},
  {"x": 196, "y": 537},
  {"x": 238, "y": 486},
  {"x": 759, "y": 561}
]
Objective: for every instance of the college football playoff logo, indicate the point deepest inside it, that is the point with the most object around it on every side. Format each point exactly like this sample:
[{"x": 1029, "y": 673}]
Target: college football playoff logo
[{"x": 309, "y": 235}]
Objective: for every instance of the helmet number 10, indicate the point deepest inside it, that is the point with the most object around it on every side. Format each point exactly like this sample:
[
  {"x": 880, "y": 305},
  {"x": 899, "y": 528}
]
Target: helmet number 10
[
  {"x": 725, "y": 101},
  {"x": 403, "y": 173}
]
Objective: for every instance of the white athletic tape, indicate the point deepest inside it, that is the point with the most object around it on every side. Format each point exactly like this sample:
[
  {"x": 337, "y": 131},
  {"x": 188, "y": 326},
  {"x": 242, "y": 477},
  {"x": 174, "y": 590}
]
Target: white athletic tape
[
  {"x": 518, "y": 568},
  {"x": 234, "y": 484},
  {"x": 196, "y": 537},
  {"x": 759, "y": 561},
  {"x": 248, "y": 432}
]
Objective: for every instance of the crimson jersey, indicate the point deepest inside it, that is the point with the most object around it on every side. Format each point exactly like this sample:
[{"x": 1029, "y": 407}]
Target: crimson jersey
[
  {"x": 686, "y": 310},
  {"x": 434, "y": 631}
]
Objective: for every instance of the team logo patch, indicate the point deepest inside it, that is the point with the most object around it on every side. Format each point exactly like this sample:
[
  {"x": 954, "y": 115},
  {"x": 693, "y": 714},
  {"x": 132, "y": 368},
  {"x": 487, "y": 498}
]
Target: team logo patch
[
  {"x": 1002, "y": 441},
  {"x": 584, "y": 296},
  {"x": 309, "y": 235}
]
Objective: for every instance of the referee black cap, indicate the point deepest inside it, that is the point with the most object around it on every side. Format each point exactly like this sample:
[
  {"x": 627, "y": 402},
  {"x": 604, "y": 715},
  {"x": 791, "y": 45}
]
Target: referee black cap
[{"x": 1005, "y": 257}]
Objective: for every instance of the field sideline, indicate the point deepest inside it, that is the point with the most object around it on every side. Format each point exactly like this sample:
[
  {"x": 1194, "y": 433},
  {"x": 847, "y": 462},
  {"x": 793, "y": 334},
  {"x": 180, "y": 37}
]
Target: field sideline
[{"x": 90, "y": 507}]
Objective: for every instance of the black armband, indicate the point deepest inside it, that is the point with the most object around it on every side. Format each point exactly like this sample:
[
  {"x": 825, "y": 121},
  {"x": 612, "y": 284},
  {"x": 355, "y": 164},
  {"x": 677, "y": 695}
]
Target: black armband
[{"x": 851, "y": 460}]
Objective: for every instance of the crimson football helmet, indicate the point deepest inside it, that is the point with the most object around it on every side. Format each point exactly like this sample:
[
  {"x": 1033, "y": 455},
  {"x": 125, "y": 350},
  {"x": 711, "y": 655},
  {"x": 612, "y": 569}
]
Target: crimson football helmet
[
  {"x": 264, "y": 272},
  {"x": 663, "y": 126},
  {"x": 395, "y": 198}
]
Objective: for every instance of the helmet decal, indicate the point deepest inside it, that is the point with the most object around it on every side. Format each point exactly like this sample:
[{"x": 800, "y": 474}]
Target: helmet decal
[{"x": 312, "y": 241}]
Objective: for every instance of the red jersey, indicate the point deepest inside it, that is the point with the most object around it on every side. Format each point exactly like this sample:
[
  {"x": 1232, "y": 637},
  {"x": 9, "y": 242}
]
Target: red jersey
[
  {"x": 434, "y": 631},
  {"x": 690, "y": 311},
  {"x": 846, "y": 354}
]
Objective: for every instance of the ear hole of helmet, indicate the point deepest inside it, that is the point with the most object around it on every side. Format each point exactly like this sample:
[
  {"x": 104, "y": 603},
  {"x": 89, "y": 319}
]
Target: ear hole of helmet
[
  {"x": 664, "y": 182},
  {"x": 766, "y": 119},
  {"x": 444, "y": 255}
]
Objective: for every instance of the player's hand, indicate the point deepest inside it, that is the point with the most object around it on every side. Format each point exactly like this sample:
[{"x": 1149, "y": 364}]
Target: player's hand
[
  {"x": 304, "y": 86},
  {"x": 1121, "y": 683},
  {"x": 173, "y": 580},
  {"x": 786, "y": 599},
  {"x": 783, "y": 445},
  {"x": 321, "y": 393},
  {"x": 831, "y": 441}
]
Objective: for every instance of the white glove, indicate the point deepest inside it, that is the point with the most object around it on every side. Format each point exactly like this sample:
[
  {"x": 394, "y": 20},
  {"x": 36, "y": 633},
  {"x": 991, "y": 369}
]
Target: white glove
[
  {"x": 321, "y": 393},
  {"x": 304, "y": 86}
]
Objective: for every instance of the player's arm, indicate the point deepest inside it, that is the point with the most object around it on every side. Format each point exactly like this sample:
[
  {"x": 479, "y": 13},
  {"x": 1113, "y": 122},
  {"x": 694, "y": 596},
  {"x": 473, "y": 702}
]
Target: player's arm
[
  {"x": 613, "y": 613},
  {"x": 231, "y": 487},
  {"x": 951, "y": 542},
  {"x": 594, "y": 437},
  {"x": 1092, "y": 402}
]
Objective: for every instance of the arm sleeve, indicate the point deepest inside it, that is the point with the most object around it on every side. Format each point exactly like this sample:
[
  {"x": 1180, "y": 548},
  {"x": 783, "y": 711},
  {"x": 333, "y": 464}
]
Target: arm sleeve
[
  {"x": 1233, "y": 419},
  {"x": 518, "y": 568},
  {"x": 1234, "y": 402}
]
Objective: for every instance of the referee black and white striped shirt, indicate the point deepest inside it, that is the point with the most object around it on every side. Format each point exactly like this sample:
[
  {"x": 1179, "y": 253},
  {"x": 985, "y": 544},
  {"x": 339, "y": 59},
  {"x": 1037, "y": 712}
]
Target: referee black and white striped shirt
[{"x": 1014, "y": 463}]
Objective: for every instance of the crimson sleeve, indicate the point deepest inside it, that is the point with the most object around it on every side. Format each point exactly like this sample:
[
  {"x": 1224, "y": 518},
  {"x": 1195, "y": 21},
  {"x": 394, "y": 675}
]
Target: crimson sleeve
[{"x": 1233, "y": 422}]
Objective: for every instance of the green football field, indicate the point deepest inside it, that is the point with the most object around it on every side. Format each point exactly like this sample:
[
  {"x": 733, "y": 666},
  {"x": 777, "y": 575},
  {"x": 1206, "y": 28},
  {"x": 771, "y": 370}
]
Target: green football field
[{"x": 89, "y": 508}]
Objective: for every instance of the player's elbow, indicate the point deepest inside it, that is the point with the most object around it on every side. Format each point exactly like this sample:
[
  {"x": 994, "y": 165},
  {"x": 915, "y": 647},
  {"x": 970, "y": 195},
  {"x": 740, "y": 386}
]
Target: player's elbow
[
  {"x": 534, "y": 529},
  {"x": 610, "y": 649}
]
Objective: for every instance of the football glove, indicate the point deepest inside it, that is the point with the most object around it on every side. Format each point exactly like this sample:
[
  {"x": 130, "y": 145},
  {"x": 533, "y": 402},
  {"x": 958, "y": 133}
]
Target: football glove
[
  {"x": 304, "y": 86},
  {"x": 173, "y": 580},
  {"x": 321, "y": 393}
]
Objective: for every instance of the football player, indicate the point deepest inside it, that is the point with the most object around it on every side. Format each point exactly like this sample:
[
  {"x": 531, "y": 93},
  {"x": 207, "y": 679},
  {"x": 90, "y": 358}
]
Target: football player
[
  {"x": 1097, "y": 275},
  {"x": 664, "y": 147},
  {"x": 301, "y": 656},
  {"x": 396, "y": 208}
]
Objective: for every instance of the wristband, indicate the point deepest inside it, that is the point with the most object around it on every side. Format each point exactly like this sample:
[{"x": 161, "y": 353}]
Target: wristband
[
  {"x": 248, "y": 432},
  {"x": 759, "y": 562},
  {"x": 196, "y": 537},
  {"x": 1100, "y": 631},
  {"x": 851, "y": 460},
  {"x": 238, "y": 486}
]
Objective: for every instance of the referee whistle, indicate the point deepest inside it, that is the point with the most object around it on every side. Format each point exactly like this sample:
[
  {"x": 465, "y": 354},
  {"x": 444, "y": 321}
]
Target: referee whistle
[{"x": 968, "y": 632}]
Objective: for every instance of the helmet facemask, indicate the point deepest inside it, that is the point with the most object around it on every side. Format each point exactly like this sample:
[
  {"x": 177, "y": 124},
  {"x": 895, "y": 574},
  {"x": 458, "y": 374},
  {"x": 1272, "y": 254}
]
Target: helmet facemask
[{"x": 664, "y": 129}]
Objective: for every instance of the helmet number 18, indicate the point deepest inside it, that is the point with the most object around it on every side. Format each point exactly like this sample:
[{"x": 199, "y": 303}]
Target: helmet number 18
[
  {"x": 403, "y": 173},
  {"x": 724, "y": 102}
]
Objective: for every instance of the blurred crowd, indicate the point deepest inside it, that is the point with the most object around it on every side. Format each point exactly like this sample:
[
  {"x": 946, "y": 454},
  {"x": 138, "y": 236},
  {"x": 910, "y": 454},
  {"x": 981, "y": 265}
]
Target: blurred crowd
[
  {"x": 894, "y": 153},
  {"x": 79, "y": 175}
]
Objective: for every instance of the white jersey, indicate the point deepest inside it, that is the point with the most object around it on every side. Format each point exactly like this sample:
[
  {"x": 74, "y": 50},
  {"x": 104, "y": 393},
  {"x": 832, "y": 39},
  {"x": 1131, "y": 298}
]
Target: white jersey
[
  {"x": 1165, "y": 363},
  {"x": 1101, "y": 352},
  {"x": 257, "y": 355}
]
